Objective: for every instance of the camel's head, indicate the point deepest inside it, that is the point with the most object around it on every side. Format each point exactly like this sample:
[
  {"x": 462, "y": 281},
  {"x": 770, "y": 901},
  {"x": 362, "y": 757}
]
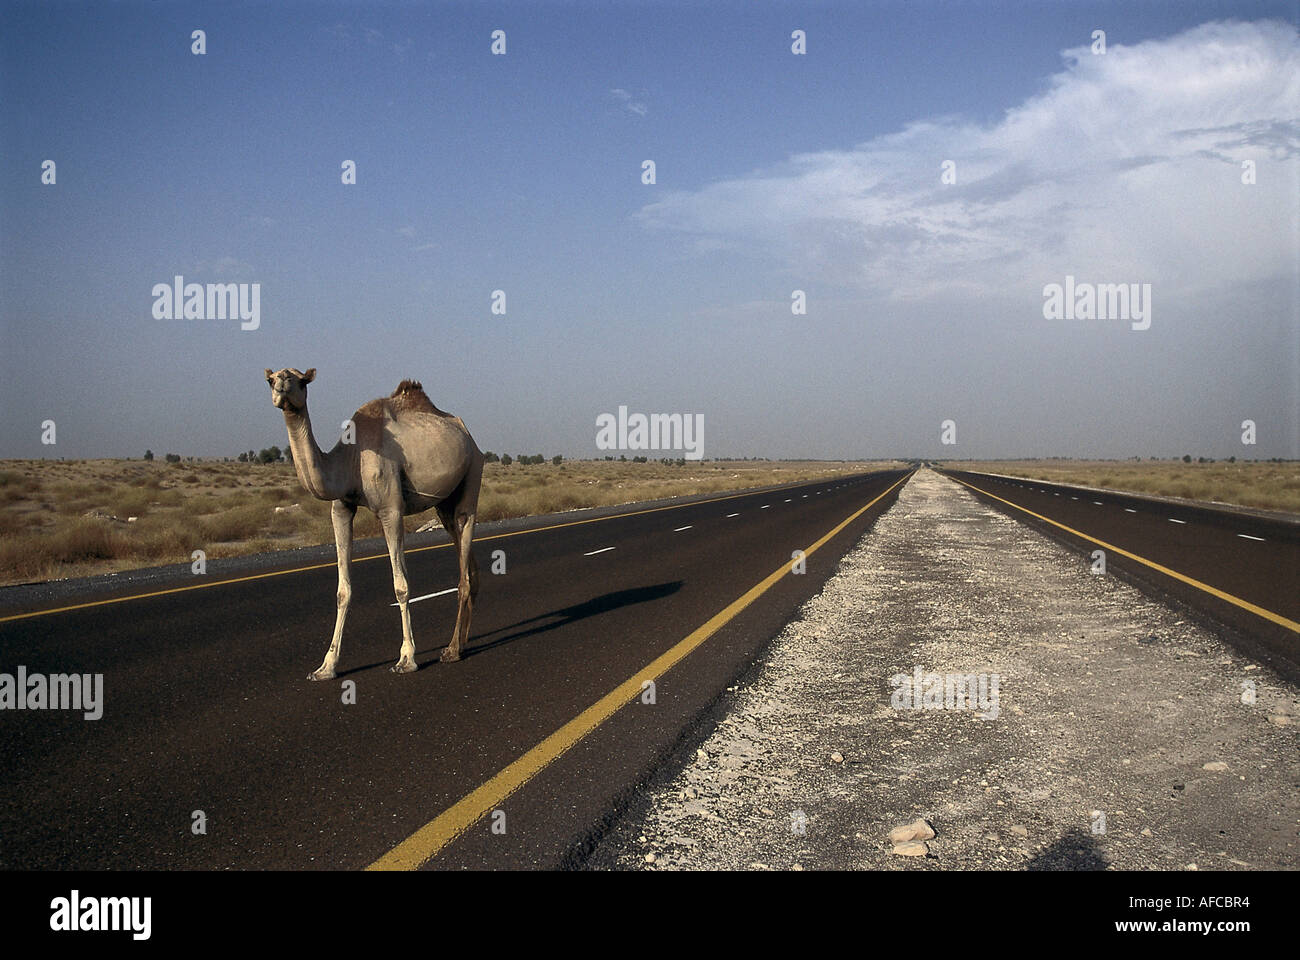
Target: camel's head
[{"x": 289, "y": 387}]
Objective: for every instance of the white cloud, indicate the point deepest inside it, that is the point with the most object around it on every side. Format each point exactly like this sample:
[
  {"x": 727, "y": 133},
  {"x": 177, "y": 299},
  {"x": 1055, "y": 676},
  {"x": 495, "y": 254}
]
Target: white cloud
[
  {"x": 1127, "y": 168},
  {"x": 628, "y": 102}
]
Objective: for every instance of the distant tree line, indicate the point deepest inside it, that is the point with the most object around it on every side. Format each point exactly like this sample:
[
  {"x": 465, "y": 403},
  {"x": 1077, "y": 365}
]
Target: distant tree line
[
  {"x": 525, "y": 459},
  {"x": 266, "y": 455},
  {"x": 666, "y": 461}
]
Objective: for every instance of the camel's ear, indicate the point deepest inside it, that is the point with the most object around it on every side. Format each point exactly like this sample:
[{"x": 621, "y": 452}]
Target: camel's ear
[
  {"x": 309, "y": 376},
  {"x": 269, "y": 374}
]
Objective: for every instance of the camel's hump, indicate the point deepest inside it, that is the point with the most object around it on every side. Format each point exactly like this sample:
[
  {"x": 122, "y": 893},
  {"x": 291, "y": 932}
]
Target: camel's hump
[{"x": 410, "y": 396}]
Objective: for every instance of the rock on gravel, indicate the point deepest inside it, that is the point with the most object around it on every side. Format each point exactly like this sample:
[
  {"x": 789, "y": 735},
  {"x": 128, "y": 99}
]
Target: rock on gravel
[
  {"x": 914, "y": 849},
  {"x": 916, "y": 830}
]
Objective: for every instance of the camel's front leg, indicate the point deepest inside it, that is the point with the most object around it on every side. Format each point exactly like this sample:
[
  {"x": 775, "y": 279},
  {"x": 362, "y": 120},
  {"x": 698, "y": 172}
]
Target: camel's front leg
[
  {"x": 342, "y": 515},
  {"x": 395, "y": 534}
]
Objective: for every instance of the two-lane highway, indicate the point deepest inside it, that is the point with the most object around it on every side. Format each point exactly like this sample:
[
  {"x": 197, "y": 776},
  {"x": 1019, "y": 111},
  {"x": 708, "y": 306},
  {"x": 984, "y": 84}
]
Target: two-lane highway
[
  {"x": 511, "y": 758},
  {"x": 1237, "y": 568}
]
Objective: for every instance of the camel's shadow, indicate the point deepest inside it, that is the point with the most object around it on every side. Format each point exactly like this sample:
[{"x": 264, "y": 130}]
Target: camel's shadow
[
  {"x": 546, "y": 621},
  {"x": 1078, "y": 849}
]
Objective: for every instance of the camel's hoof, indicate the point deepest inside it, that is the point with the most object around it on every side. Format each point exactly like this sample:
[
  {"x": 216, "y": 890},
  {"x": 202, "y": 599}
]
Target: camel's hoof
[
  {"x": 404, "y": 666},
  {"x": 320, "y": 675},
  {"x": 449, "y": 655}
]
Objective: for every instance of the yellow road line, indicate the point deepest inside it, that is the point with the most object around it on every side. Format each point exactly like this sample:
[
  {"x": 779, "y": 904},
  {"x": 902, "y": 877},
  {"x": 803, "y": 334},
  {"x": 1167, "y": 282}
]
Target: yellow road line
[
  {"x": 1213, "y": 591},
  {"x": 429, "y": 840},
  {"x": 377, "y": 556}
]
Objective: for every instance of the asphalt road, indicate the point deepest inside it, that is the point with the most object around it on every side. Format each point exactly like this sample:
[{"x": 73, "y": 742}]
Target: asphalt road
[
  {"x": 206, "y": 705},
  {"x": 1238, "y": 560}
]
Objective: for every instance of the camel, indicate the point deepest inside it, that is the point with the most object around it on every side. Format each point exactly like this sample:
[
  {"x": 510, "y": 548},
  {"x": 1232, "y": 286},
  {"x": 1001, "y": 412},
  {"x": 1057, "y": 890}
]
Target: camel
[{"x": 405, "y": 456}]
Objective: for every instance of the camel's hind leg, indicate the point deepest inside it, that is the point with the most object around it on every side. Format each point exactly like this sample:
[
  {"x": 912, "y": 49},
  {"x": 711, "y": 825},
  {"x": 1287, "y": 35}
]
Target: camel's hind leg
[
  {"x": 458, "y": 518},
  {"x": 342, "y": 514}
]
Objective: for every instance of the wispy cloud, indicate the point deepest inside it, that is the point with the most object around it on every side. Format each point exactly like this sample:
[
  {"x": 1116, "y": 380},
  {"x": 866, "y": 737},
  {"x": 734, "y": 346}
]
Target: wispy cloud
[
  {"x": 628, "y": 102},
  {"x": 411, "y": 233},
  {"x": 371, "y": 36},
  {"x": 1128, "y": 166}
]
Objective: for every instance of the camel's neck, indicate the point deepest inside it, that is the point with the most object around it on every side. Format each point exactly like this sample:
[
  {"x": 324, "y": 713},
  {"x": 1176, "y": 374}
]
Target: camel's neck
[{"x": 324, "y": 475}]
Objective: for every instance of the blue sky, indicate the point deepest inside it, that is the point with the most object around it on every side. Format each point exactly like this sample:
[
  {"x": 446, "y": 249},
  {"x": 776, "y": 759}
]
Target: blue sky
[{"x": 775, "y": 172}]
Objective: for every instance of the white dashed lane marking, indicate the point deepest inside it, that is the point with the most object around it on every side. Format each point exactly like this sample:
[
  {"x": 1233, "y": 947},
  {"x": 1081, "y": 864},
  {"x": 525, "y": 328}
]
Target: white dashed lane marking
[
  {"x": 1244, "y": 536},
  {"x": 428, "y": 595},
  {"x": 592, "y": 553}
]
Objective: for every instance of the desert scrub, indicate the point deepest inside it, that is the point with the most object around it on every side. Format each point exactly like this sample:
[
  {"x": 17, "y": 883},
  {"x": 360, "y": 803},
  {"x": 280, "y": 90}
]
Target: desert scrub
[
  {"x": 240, "y": 523},
  {"x": 163, "y": 538},
  {"x": 33, "y": 552},
  {"x": 130, "y": 502}
]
